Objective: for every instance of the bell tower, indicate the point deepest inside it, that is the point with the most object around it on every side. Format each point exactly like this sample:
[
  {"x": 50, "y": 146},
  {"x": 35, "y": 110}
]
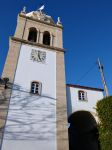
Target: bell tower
[{"x": 37, "y": 112}]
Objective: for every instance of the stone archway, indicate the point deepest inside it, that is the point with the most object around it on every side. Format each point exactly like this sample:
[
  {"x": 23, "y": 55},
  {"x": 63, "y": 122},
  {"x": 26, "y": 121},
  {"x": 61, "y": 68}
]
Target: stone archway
[{"x": 83, "y": 133}]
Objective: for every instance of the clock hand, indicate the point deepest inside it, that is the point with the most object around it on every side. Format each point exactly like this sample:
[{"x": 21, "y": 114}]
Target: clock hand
[{"x": 39, "y": 56}]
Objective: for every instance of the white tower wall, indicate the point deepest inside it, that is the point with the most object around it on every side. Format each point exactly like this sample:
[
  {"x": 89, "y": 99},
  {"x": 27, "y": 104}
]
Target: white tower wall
[{"x": 31, "y": 121}]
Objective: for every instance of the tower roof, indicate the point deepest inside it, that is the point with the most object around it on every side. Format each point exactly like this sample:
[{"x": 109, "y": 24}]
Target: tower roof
[{"x": 40, "y": 15}]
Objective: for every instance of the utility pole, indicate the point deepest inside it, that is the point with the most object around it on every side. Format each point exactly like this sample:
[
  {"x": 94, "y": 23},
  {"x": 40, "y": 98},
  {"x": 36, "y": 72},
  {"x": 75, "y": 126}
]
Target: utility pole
[{"x": 103, "y": 78}]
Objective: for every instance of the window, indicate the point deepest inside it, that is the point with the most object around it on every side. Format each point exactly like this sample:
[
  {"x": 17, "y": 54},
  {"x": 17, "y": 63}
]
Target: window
[
  {"x": 32, "y": 35},
  {"x": 46, "y": 38},
  {"x": 82, "y": 95},
  {"x": 36, "y": 88}
]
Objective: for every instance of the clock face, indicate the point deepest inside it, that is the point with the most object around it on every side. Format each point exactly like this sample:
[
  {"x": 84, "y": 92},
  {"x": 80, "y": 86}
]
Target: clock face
[{"x": 39, "y": 56}]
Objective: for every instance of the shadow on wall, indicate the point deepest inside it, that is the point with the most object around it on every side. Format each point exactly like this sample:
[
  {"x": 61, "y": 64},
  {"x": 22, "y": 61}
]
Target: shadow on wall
[
  {"x": 30, "y": 117},
  {"x": 69, "y": 104},
  {"x": 83, "y": 133},
  {"x": 4, "y": 102}
]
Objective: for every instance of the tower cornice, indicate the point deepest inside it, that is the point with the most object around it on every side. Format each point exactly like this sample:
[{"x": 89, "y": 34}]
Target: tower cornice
[
  {"x": 40, "y": 21},
  {"x": 37, "y": 44}
]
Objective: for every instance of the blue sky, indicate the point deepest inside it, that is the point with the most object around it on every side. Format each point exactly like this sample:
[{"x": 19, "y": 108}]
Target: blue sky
[{"x": 87, "y": 35}]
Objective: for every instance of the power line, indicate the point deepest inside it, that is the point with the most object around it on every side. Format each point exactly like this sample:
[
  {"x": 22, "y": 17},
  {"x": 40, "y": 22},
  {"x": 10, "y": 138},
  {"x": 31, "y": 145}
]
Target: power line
[{"x": 89, "y": 70}]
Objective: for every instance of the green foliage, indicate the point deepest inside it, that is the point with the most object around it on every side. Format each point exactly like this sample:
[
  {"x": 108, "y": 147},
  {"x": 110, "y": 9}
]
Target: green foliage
[{"x": 104, "y": 110}]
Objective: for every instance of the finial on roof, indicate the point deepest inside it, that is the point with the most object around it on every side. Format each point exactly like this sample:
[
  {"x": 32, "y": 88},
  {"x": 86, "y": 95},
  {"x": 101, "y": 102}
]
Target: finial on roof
[
  {"x": 59, "y": 21},
  {"x": 24, "y": 10}
]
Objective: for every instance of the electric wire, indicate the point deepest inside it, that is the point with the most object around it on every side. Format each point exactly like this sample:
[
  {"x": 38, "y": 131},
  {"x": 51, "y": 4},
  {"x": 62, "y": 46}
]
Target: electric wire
[{"x": 89, "y": 70}]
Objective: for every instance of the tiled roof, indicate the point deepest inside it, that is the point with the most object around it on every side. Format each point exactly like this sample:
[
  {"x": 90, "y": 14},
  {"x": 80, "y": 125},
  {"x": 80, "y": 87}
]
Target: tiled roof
[{"x": 84, "y": 87}]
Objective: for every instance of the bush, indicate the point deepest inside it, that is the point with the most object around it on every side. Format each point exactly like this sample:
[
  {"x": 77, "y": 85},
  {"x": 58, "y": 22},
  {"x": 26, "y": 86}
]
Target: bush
[{"x": 104, "y": 110}]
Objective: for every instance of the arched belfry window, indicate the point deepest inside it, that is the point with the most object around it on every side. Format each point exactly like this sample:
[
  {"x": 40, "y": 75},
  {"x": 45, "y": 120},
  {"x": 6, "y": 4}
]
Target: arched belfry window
[
  {"x": 46, "y": 38},
  {"x": 36, "y": 87},
  {"x": 32, "y": 35}
]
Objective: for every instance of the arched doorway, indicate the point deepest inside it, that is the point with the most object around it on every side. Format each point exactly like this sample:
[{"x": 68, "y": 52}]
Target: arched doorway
[{"x": 83, "y": 133}]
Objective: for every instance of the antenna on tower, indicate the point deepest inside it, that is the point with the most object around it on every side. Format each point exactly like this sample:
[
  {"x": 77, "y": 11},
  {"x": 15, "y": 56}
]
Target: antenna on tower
[{"x": 103, "y": 78}]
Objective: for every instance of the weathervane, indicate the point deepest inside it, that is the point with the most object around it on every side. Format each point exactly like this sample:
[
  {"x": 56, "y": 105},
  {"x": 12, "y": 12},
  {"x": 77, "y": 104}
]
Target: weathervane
[{"x": 41, "y": 8}]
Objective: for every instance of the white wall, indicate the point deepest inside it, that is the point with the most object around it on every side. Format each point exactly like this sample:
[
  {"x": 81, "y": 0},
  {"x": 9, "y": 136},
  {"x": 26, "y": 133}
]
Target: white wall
[
  {"x": 28, "y": 71},
  {"x": 31, "y": 122},
  {"x": 74, "y": 104}
]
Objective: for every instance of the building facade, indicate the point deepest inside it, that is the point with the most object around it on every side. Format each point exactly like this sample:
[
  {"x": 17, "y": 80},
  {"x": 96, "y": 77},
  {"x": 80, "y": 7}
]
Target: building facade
[
  {"x": 35, "y": 104},
  {"x": 80, "y": 98}
]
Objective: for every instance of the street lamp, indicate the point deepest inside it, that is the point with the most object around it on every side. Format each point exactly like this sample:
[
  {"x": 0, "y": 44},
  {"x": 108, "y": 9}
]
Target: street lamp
[{"x": 4, "y": 81}]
